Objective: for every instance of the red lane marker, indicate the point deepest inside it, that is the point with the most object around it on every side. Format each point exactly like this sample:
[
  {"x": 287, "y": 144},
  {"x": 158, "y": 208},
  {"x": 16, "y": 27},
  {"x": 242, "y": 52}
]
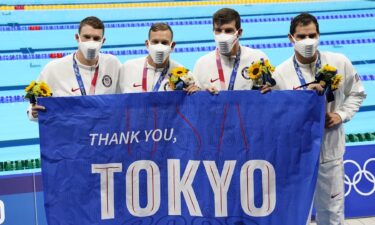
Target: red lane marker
[{"x": 19, "y": 7}]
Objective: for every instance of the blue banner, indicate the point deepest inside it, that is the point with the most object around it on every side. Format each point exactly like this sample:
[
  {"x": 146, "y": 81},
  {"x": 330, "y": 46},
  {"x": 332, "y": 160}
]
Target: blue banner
[{"x": 167, "y": 158}]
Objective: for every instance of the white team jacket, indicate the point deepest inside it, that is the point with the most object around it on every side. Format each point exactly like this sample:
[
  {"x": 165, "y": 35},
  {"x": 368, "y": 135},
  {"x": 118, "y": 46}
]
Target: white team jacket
[
  {"x": 60, "y": 77},
  {"x": 348, "y": 97},
  {"x": 131, "y": 76},
  {"x": 206, "y": 72}
]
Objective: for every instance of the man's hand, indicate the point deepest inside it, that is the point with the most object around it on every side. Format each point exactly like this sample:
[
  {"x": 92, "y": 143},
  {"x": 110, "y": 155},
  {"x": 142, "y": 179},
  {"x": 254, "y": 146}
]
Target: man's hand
[
  {"x": 191, "y": 89},
  {"x": 265, "y": 88},
  {"x": 213, "y": 90},
  {"x": 315, "y": 86},
  {"x": 332, "y": 119},
  {"x": 35, "y": 109}
]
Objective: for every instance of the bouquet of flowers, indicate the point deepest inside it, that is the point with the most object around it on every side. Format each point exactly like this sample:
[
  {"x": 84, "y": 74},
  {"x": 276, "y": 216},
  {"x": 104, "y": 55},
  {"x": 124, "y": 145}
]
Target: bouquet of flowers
[
  {"x": 261, "y": 73},
  {"x": 328, "y": 78},
  {"x": 35, "y": 90},
  {"x": 180, "y": 78}
]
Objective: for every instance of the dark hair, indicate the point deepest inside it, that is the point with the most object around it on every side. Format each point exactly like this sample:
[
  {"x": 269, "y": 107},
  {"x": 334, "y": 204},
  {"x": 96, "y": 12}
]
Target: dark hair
[
  {"x": 160, "y": 26},
  {"x": 303, "y": 19},
  {"x": 92, "y": 21},
  {"x": 225, "y": 16}
]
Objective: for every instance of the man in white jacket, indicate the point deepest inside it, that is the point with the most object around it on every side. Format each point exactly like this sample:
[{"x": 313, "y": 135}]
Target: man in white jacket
[
  {"x": 225, "y": 68},
  {"x": 300, "y": 70},
  {"x": 151, "y": 73},
  {"x": 85, "y": 72}
]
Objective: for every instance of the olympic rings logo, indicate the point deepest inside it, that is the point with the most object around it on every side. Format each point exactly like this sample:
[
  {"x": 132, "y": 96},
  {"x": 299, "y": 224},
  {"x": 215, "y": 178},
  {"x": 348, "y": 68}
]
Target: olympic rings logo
[{"x": 368, "y": 175}]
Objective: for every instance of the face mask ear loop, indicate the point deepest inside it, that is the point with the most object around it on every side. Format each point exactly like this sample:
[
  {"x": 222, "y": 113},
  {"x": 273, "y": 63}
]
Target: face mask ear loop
[
  {"x": 79, "y": 38},
  {"x": 293, "y": 38},
  {"x": 237, "y": 37}
]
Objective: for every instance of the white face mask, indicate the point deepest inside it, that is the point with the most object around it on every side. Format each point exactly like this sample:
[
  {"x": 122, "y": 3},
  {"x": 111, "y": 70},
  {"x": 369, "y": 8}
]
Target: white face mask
[
  {"x": 90, "y": 49},
  {"x": 159, "y": 52},
  {"x": 306, "y": 47},
  {"x": 225, "y": 42}
]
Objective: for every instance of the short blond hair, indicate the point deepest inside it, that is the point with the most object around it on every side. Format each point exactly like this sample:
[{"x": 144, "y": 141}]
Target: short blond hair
[{"x": 160, "y": 26}]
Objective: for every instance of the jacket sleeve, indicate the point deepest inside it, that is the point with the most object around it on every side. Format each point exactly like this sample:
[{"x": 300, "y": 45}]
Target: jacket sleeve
[
  {"x": 197, "y": 73},
  {"x": 40, "y": 78},
  {"x": 277, "y": 76},
  {"x": 117, "y": 65},
  {"x": 354, "y": 92}
]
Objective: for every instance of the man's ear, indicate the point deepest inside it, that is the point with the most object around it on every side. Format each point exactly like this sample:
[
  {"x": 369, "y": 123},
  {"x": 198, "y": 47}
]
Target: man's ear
[
  {"x": 239, "y": 32},
  {"x": 146, "y": 43},
  {"x": 173, "y": 45},
  {"x": 77, "y": 37},
  {"x": 104, "y": 39}
]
